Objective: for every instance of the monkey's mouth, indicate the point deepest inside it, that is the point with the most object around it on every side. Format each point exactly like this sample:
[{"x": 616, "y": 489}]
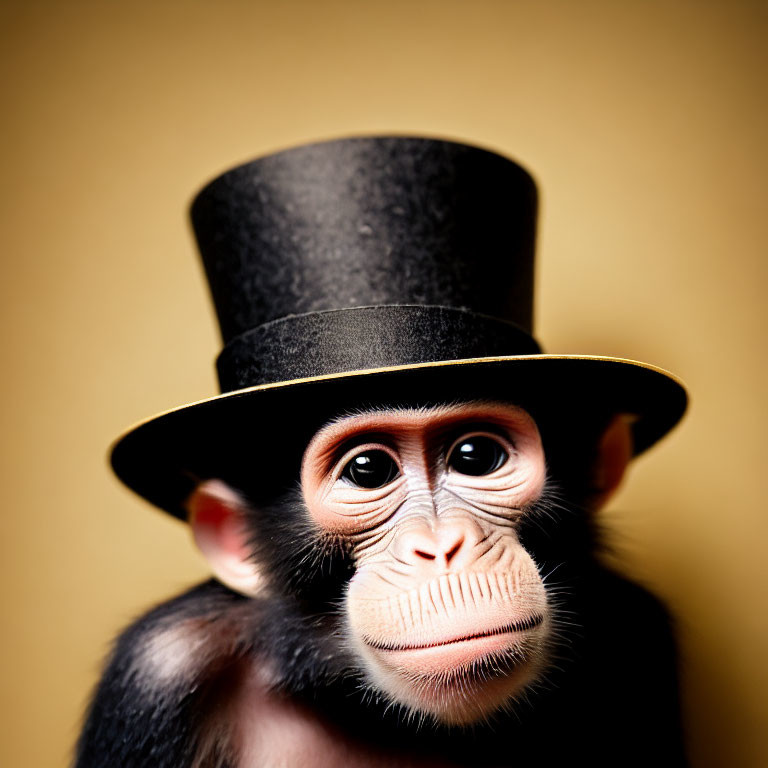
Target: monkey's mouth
[{"x": 522, "y": 625}]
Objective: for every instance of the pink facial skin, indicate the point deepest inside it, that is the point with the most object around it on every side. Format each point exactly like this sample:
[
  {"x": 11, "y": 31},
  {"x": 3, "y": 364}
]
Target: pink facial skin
[{"x": 446, "y": 608}]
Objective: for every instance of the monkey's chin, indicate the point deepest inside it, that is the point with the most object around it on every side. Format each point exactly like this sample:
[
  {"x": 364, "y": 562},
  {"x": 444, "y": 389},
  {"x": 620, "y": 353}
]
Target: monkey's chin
[{"x": 460, "y": 681}]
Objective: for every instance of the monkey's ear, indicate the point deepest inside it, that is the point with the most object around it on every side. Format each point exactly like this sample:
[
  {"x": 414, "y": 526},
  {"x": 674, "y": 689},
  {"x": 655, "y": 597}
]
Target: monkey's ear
[
  {"x": 614, "y": 451},
  {"x": 217, "y": 516}
]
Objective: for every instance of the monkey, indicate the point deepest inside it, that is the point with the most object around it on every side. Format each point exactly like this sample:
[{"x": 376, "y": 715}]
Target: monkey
[
  {"x": 396, "y": 492},
  {"x": 427, "y": 594}
]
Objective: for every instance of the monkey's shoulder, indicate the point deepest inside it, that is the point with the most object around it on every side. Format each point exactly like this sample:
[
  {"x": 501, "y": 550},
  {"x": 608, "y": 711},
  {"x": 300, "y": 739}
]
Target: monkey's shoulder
[
  {"x": 191, "y": 624},
  {"x": 201, "y": 679},
  {"x": 622, "y": 671},
  {"x": 165, "y": 669}
]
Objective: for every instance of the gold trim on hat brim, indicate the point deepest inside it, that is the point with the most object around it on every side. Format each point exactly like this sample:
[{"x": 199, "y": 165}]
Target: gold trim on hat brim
[{"x": 394, "y": 368}]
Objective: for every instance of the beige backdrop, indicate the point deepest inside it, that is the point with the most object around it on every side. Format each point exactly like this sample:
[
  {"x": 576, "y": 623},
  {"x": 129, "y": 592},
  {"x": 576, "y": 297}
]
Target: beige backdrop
[{"x": 644, "y": 123}]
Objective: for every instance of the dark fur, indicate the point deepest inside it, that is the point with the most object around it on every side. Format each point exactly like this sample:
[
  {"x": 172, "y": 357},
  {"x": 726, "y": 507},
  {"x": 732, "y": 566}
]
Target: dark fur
[{"x": 609, "y": 699}]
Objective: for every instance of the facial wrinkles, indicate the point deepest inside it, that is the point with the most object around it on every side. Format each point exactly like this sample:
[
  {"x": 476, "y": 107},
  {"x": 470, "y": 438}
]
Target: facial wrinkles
[
  {"x": 443, "y": 589},
  {"x": 503, "y": 494},
  {"x": 371, "y": 508},
  {"x": 383, "y": 555},
  {"x": 490, "y": 546},
  {"x": 380, "y": 567},
  {"x": 418, "y": 441},
  {"x": 417, "y": 509},
  {"x": 408, "y": 496},
  {"x": 500, "y": 500}
]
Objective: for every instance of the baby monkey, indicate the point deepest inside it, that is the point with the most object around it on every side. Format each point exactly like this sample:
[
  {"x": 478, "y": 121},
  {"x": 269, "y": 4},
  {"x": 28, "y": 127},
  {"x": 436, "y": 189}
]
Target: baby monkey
[
  {"x": 396, "y": 492},
  {"x": 405, "y": 609}
]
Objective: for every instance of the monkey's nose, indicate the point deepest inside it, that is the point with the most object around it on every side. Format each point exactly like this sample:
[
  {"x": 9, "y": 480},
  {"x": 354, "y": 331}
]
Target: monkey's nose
[
  {"x": 447, "y": 545},
  {"x": 439, "y": 550}
]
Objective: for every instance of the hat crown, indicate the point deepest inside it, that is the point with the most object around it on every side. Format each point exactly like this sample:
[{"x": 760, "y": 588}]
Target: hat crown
[{"x": 368, "y": 222}]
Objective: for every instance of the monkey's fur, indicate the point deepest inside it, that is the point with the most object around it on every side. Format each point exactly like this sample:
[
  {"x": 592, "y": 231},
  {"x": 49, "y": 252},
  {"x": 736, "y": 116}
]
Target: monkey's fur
[{"x": 608, "y": 697}]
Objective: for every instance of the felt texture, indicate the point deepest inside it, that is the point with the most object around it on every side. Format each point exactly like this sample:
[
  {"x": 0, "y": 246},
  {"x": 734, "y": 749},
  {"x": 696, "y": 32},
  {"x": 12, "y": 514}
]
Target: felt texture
[
  {"x": 335, "y": 341},
  {"x": 366, "y": 222}
]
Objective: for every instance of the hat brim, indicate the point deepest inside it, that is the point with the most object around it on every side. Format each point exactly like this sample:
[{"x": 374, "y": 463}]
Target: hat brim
[{"x": 262, "y": 430}]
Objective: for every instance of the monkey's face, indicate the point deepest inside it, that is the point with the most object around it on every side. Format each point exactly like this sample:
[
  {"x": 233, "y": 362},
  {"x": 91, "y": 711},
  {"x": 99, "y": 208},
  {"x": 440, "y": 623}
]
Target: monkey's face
[{"x": 446, "y": 609}]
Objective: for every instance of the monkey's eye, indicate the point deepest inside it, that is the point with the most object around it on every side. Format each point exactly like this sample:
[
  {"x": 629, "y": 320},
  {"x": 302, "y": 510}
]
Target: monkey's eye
[
  {"x": 476, "y": 455},
  {"x": 370, "y": 469}
]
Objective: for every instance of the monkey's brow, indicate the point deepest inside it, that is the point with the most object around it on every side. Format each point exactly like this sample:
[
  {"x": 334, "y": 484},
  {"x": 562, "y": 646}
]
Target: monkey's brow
[
  {"x": 401, "y": 406},
  {"x": 347, "y": 444}
]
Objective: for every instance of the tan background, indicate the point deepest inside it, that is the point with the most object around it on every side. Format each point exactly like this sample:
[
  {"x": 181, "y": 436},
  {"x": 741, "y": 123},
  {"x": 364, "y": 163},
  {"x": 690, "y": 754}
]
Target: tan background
[{"x": 644, "y": 123}]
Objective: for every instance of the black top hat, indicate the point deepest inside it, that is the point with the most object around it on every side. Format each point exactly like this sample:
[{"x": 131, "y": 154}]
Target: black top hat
[{"x": 405, "y": 260}]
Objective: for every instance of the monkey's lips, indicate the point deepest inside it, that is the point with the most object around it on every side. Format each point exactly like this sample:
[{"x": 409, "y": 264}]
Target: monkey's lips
[{"x": 437, "y": 656}]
